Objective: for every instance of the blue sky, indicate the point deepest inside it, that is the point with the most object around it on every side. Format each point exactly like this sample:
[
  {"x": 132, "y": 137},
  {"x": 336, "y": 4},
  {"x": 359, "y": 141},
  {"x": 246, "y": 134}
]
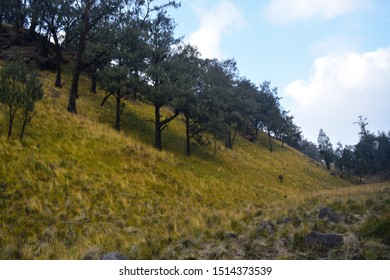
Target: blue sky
[{"x": 330, "y": 59}]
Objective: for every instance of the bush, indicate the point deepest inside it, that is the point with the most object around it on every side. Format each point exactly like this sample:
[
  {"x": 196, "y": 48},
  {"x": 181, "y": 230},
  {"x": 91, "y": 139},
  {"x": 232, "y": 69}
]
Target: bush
[
  {"x": 20, "y": 88},
  {"x": 377, "y": 228}
]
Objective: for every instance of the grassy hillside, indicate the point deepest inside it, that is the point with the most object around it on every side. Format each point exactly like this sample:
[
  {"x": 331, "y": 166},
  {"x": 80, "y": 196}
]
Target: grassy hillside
[{"x": 75, "y": 188}]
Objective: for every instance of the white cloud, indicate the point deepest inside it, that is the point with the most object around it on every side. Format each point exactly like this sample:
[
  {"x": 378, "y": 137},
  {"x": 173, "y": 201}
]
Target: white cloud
[
  {"x": 214, "y": 23},
  {"x": 340, "y": 88},
  {"x": 287, "y": 11}
]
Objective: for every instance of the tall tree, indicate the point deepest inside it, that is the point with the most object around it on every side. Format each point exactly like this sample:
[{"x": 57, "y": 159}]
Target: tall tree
[
  {"x": 186, "y": 64},
  {"x": 310, "y": 149},
  {"x": 54, "y": 15},
  {"x": 91, "y": 13},
  {"x": 159, "y": 74},
  {"x": 326, "y": 148},
  {"x": 348, "y": 158},
  {"x": 35, "y": 12},
  {"x": 115, "y": 81}
]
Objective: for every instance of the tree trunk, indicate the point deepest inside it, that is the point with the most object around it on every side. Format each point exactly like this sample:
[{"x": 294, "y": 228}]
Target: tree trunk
[
  {"x": 93, "y": 82},
  {"x": 18, "y": 9},
  {"x": 34, "y": 19},
  {"x": 11, "y": 120},
  {"x": 25, "y": 121},
  {"x": 46, "y": 45},
  {"x": 234, "y": 136},
  {"x": 157, "y": 131},
  {"x": 228, "y": 136},
  {"x": 188, "y": 138},
  {"x": 94, "y": 77},
  {"x": 270, "y": 141},
  {"x": 1, "y": 13},
  {"x": 73, "y": 91},
  {"x": 118, "y": 111},
  {"x": 79, "y": 59},
  {"x": 58, "y": 82}
]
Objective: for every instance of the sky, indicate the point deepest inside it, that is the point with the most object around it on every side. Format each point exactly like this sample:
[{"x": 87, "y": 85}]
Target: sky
[{"x": 330, "y": 59}]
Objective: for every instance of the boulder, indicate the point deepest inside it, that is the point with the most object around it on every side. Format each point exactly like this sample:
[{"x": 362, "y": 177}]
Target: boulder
[
  {"x": 328, "y": 213},
  {"x": 284, "y": 220},
  {"x": 324, "y": 239},
  {"x": 114, "y": 256},
  {"x": 265, "y": 229}
]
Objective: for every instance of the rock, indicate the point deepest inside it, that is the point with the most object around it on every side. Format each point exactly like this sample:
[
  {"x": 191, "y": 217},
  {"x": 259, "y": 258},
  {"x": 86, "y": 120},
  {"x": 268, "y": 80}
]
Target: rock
[
  {"x": 352, "y": 246},
  {"x": 328, "y": 213},
  {"x": 114, "y": 256},
  {"x": 260, "y": 250},
  {"x": 282, "y": 245},
  {"x": 265, "y": 229},
  {"x": 324, "y": 239},
  {"x": 231, "y": 235},
  {"x": 284, "y": 220},
  {"x": 94, "y": 253}
]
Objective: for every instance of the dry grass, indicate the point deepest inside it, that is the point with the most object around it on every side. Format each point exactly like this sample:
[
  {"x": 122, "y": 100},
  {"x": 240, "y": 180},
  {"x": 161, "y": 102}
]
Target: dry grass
[{"x": 75, "y": 187}]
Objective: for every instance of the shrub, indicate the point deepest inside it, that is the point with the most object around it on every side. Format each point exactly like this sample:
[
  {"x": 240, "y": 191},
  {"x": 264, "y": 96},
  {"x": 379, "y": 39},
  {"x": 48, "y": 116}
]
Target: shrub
[{"x": 20, "y": 88}]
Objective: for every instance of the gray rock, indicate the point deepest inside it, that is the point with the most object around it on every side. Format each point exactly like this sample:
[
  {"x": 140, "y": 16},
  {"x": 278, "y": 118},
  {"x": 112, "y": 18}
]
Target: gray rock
[
  {"x": 328, "y": 213},
  {"x": 284, "y": 220},
  {"x": 266, "y": 228},
  {"x": 324, "y": 239},
  {"x": 232, "y": 235},
  {"x": 114, "y": 256}
]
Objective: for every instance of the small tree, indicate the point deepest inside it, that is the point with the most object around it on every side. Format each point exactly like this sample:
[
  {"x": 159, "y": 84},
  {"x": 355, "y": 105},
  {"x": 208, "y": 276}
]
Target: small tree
[
  {"x": 33, "y": 93},
  {"x": 326, "y": 148},
  {"x": 20, "y": 88},
  {"x": 116, "y": 82}
]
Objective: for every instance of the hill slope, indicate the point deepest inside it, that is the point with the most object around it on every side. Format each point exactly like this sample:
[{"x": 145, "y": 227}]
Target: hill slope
[{"x": 75, "y": 187}]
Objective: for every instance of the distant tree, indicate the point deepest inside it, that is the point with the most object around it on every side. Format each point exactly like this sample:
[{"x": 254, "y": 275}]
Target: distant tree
[
  {"x": 326, "y": 149},
  {"x": 310, "y": 149},
  {"x": 366, "y": 147},
  {"x": 209, "y": 117},
  {"x": 348, "y": 158},
  {"x": 382, "y": 154},
  {"x": 270, "y": 118},
  {"x": 20, "y": 88},
  {"x": 231, "y": 101},
  {"x": 338, "y": 158},
  {"x": 246, "y": 107},
  {"x": 221, "y": 101},
  {"x": 288, "y": 132}
]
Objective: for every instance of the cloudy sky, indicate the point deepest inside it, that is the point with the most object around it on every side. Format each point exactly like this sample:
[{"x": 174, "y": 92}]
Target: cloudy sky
[{"x": 330, "y": 59}]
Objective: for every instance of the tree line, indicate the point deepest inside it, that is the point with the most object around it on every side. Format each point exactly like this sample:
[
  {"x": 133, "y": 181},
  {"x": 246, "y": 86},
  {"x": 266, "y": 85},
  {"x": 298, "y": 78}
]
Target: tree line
[
  {"x": 370, "y": 156},
  {"x": 128, "y": 47}
]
